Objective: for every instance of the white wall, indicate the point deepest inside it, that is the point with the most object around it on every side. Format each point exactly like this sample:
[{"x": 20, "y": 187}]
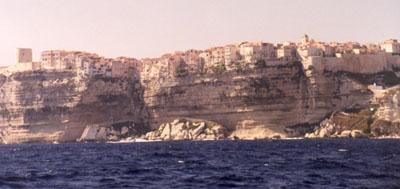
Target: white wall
[{"x": 369, "y": 63}]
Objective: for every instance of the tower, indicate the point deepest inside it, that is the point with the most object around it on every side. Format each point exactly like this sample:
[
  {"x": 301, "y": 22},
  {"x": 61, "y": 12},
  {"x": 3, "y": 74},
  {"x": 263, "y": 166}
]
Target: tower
[
  {"x": 304, "y": 39},
  {"x": 23, "y": 55}
]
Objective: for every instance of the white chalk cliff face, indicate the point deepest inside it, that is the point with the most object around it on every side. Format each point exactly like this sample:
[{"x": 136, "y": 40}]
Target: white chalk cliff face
[
  {"x": 257, "y": 103},
  {"x": 47, "y": 107},
  {"x": 271, "y": 102},
  {"x": 389, "y": 104},
  {"x": 382, "y": 119},
  {"x": 34, "y": 106}
]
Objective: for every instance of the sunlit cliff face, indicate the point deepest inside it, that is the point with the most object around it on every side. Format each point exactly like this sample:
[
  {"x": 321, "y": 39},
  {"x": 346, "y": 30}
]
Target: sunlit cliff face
[{"x": 282, "y": 100}]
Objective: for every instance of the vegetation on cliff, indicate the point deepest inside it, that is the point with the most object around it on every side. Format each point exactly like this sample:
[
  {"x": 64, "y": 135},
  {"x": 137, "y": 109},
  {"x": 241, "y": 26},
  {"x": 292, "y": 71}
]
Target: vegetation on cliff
[
  {"x": 181, "y": 72},
  {"x": 219, "y": 69},
  {"x": 260, "y": 64},
  {"x": 237, "y": 66}
]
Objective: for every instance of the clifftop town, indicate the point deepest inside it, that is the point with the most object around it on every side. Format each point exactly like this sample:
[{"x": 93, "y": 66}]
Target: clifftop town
[
  {"x": 239, "y": 91},
  {"x": 230, "y": 57}
]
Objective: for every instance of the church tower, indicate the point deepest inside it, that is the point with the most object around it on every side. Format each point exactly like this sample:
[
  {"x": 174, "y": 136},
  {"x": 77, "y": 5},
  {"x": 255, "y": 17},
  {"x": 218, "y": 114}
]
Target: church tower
[{"x": 305, "y": 39}]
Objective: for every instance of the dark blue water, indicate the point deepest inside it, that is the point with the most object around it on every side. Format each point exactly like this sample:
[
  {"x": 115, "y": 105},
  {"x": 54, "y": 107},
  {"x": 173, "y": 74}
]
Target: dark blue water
[{"x": 209, "y": 164}]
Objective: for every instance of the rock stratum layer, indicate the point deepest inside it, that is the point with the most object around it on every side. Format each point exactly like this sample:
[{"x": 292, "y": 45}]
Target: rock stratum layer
[
  {"x": 271, "y": 102},
  {"x": 256, "y": 103},
  {"x": 48, "y": 107}
]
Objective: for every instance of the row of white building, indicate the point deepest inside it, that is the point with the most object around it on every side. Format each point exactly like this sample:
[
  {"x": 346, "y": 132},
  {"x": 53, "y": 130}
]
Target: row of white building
[
  {"x": 86, "y": 64},
  {"x": 250, "y": 52}
]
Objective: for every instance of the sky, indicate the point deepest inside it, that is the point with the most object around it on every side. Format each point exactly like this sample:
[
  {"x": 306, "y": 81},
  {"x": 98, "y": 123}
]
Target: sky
[{"x": 151, "y": 28}]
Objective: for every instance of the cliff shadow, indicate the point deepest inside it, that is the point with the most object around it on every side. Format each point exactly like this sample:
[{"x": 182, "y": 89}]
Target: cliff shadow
[{"x": 107, "y": 101}]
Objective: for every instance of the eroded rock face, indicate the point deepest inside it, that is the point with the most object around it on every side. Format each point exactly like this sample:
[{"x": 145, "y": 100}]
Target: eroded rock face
[
  {"x": 271, "y": 102},
  {"x": 359, "y": 124},
  {"x": 188, "y": 129},
  {"x": 249, "y": 130},
  {"x": 111, "y": 132},
  {"x": 357, "y": 134},
  {"x": 257, "y": 103},
  {"x": 389, "y": 104},
  {"x": 57, "y": 106}
]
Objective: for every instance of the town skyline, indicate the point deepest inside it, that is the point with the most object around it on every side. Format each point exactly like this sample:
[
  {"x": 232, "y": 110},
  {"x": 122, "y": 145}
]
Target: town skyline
[
  {"x": 36, "y": 54},
  {"x": 147, "y": 30},
  {"x": 238, "y": 56}
]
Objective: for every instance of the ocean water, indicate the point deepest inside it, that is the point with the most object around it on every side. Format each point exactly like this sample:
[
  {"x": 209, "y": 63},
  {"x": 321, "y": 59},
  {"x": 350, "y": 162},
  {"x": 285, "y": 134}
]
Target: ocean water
[{"x": 341, "y": 163}]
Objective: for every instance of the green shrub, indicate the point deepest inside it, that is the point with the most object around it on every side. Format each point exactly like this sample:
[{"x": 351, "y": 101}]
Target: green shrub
[
  {"x": 260, "y": 64},
  {"x": 294, "y": 61},
  {"x": 238, "y": 67},
  {"x": 181, "y": 72},
  {"x": 219, "y": 69}
]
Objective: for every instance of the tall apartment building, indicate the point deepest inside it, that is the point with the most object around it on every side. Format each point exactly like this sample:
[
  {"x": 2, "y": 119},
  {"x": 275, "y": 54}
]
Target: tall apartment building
[{"x": 231, "y": 54}]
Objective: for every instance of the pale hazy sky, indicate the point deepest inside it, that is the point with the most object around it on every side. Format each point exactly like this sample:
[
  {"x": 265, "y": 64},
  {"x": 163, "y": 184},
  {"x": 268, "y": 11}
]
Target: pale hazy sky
[{"x": 150, "y": 28}]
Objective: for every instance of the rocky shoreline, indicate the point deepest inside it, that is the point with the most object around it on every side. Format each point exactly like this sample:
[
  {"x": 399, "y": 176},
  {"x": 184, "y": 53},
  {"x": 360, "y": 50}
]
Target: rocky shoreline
[
  {"x": 339, "y": 125},
  {"x": 360, "y": 124}
]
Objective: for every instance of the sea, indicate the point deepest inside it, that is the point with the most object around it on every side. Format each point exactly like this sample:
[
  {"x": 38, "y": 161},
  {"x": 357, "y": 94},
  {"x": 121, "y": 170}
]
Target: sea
[{"x": 312, "y": 163}]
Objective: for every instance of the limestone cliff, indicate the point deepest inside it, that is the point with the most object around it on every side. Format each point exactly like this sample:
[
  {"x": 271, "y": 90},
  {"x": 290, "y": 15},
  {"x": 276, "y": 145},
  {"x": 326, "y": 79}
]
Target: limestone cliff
[
  {"x": 362, "y": 123},
  {"x": 382, "y": 119},
  {"x": 389, "y": 104},
  {"x": 274, "y": 101},
  {"x": 255, "y": 103},
  {"x": 57, "y": 106}
]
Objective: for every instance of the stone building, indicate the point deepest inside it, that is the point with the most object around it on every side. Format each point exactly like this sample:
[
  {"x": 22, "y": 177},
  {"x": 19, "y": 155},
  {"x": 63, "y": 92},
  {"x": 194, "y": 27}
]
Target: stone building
[
  {"x": 23, "y": 61},
  {"x": 267, "y": 51},
  {"x": 206, "y": 58},
  {"x": 286, "y": 50},
  {"x": 23, "y": 55},
  {"x": 125, "y": 67},
  {"x": 251, "y": 52},
  {"x": 191, "y": 56},
  {"x": 218, "y": 55},
  {"x": 391, "y": 46},
  {"x": 309, "y": 50},
  {"x": 97, "y": 66},
  {"x": 59, "y": 59},
  {"x": 329, "y": 51},
  {"x": 52, "y": 59},
  {"x": 285, "y": 53},
  {"x": 231, "y": 54}
]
